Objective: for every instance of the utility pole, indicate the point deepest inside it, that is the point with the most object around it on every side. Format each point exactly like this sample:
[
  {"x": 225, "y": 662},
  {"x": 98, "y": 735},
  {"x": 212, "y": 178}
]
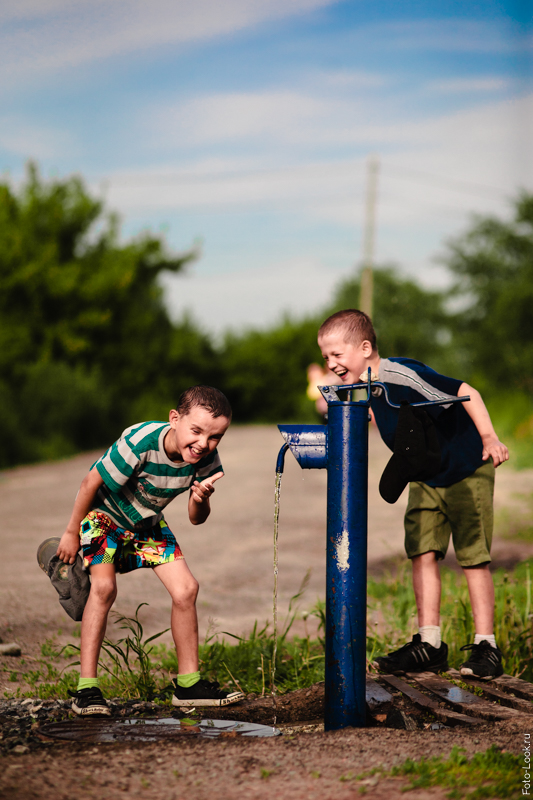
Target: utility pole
[{"x": 367, "y": 277}]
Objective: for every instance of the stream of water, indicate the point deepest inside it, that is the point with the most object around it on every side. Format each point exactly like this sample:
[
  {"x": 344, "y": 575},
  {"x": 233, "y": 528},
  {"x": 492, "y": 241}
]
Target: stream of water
[{"x": 277, "y": 492}]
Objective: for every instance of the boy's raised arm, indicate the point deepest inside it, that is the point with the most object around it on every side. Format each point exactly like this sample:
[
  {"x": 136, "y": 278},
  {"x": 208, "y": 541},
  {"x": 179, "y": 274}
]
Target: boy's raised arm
[
  {"x": 70, "y": 541},
  {"x": 199, "y": 506},
  {"x": 480, "y": 417}
]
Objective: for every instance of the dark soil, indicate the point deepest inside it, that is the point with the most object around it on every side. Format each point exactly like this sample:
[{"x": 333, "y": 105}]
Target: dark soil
[{"x": 302, "y": 764}]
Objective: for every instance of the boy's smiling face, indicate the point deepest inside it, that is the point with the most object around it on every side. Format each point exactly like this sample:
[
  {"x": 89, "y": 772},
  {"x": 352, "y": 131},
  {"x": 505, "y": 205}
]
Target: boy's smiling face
[
  {"x": 194, "y": 435},
  {"x": 346, "y": 360}
]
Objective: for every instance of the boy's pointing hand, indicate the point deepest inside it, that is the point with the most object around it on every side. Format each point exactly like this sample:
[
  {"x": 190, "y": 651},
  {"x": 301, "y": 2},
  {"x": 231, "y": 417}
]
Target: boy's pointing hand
[{"x": 201, "y": 492}]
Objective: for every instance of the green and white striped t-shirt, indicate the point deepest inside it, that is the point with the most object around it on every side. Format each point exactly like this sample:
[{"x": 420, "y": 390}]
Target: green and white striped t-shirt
[{"x": 140, "y": 479}]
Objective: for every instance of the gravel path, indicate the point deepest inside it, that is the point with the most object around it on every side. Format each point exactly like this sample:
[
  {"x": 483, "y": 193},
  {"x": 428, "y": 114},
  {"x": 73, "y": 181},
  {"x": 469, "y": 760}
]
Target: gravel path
[{"x": 231, "y": 555}]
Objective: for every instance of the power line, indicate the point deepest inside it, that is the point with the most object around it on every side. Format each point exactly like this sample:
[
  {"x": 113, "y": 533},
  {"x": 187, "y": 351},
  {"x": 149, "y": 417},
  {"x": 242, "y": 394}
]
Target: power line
[
  {"x": 459, "y": 185},
  {"x": 206, "y": 177}
]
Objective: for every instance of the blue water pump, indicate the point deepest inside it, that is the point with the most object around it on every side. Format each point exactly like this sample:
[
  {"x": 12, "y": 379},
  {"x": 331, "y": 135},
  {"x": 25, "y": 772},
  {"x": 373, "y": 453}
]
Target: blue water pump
[{"x": 341, "y": 447}]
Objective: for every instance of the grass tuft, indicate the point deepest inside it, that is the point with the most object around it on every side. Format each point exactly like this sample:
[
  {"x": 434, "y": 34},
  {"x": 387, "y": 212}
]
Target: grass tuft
[
  {"x": 138, "y": 667},
  {"x": 494, "y": 773}
]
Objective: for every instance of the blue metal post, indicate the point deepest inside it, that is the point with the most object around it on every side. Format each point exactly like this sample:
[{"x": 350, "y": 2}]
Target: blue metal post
[
  {"x": 342, "y": 447},
  {"x": 346, "y": 565}
]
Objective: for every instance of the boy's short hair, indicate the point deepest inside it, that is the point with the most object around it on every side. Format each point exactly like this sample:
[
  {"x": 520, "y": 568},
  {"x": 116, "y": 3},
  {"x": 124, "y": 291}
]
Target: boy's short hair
[
  {"x": 356, "y": 327},
  {"x": 207, "y": 397}
]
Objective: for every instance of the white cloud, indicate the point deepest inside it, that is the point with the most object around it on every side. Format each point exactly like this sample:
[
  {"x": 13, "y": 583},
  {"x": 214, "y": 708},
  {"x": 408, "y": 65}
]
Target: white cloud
[
  {"x": 451, "y": 35},
  {"x": 59, "y": 34},
  {"x": 463, "y": 85},
  {"x": 251, "y": 298},
  {"x": 335, "y": 115},
  {"x": 21, "y": 137},
  {"x": 241, "y": 115},
  {"x": 479, "y": 147},
  {"x": 347, "y": 79}
]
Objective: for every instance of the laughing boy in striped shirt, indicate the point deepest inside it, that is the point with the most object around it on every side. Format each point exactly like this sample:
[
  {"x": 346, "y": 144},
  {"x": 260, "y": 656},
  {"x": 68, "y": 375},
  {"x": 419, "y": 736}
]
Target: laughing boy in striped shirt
[{"x": 118, "y": 514}]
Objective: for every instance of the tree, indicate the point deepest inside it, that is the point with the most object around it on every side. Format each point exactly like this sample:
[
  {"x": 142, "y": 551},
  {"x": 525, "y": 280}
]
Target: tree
[
  {"x": 409, "y": 320},
  {"x": 85, "y": 337},
  {"x": 265, "y": 372},
  {"x": 493, "y": 267}
]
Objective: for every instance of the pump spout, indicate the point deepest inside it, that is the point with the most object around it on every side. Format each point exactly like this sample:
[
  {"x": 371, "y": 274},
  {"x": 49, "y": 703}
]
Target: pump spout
[{"x": 280, "y": 463}]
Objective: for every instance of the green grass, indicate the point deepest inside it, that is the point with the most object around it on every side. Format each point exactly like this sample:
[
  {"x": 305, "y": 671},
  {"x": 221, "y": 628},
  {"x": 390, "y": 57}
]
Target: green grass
[
  {"x": 492, "y": 774},
  {"x": 138, "y": 667},
  {"x": 391, "y": 604}
]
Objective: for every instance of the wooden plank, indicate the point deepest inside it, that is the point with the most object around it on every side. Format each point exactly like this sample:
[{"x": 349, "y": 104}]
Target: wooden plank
[
  {"x": 505, "y": 699},
  {"x": 426, "y": 703},
  {"x": 516, "y": 686},
  {"x": 461, "y": 699}
]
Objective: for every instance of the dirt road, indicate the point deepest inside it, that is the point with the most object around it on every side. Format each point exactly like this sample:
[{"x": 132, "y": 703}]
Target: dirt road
[{"x": 231, "y": 554}]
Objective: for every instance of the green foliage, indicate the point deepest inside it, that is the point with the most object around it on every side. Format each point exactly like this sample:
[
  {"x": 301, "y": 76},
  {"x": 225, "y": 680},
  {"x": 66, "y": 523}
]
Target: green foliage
[
  {"x": 409, "y": 320},
  {"x": 87, "y": 346},
  {"x": 84, "y": 333},
  {"x": 392, "y": 614},
  {"x": 129, "y": 667},
  {"x": 266, "y": 372},
  {"x": 133, "y": 667},
  {"x": 494, "y": 773},
  {"x": 247, "y": 665},
  {"x": 493, "y": 267}
]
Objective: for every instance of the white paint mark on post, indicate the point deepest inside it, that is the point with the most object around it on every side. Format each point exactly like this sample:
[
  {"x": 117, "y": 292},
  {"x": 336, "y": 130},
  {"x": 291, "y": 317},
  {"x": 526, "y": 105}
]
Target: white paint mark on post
[{"x": 343, "y": 551}]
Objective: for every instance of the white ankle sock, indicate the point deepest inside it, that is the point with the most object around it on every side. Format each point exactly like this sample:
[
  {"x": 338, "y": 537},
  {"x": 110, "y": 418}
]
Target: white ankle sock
[
  {"x": 431, "y": 635},
  {"x": 480, "y": 637}
]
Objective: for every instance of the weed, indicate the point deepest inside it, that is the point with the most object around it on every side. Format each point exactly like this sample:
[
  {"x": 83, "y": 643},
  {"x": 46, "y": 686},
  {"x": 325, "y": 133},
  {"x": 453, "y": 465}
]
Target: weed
[
  {"x": 299, "y": 661},
  {"x": 346, "y": 778},
  {"x": 494, "y": 773},
  {"x": 130, "y": 665},
  {"x": 135, "y": 667},
  {"x": 392, "y": 601},
  {"x": 266, "y": 773}
]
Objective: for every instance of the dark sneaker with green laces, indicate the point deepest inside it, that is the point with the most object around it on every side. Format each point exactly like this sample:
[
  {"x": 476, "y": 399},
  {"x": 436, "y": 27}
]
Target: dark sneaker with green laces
[
  {"x": 203, "y": 693},
  {"x": 485, "y": 661},
  {"x": 415, "y": 656},
  {"x": 89, "y": 702}
]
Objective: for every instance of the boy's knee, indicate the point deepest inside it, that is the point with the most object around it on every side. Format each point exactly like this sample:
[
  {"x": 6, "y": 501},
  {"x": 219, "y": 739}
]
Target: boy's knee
[
  {"x": 104, "y": 591},
  {"x": 186, "y": 593}
]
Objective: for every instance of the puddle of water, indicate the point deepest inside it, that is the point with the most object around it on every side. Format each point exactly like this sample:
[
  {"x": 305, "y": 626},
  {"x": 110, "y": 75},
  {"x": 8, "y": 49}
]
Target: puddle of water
[
  {"x": 454, "y": 694},
  {"x": 152, "y": 729}
]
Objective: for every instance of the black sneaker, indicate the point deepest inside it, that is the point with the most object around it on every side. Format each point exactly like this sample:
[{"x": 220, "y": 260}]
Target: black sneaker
[
  {"x": 89, "y": 702},
  {"x": 485, "y": 661},
  {"x": 415, "y": 656},
  {"x": 204, "y": 693}
]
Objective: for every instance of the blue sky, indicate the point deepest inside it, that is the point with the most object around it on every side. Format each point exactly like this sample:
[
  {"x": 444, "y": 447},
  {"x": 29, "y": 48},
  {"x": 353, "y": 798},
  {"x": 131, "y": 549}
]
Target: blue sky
[{"x": 248, "y": 124}]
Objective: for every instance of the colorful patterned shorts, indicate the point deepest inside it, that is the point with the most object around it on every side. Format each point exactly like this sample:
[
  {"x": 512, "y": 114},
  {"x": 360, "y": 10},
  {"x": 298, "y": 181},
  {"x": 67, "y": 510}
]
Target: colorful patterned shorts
[{"x": 104, "y": 542}]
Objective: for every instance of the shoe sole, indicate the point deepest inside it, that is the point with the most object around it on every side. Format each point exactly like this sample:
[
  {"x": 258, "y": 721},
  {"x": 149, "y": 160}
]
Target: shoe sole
[
  {"x": 91, "y": 711},
  {"x": 388, "y": 670},
  {"x": 224, "y": 701},
  {"x": 469, "y": 673}
]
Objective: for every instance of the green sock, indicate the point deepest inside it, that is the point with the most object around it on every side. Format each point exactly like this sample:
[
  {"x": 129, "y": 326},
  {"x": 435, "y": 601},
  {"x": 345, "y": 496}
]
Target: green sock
[
  {"x": 88, "y": 683},
  {"x": 188, "y": 680}
]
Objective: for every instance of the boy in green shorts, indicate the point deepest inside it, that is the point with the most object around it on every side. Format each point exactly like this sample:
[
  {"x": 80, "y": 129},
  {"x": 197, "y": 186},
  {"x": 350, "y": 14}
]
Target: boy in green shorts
[
  {"x": 457, "y": 501},
  {"x": 118, "y": 513}
]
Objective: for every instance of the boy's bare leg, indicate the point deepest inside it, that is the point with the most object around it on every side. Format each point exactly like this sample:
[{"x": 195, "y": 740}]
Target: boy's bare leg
[
  {"x": 481, "y": 591},
  {"x": 426, "y": 583},
  {"x": 183, "y": 589},
  {"x": 94, "y": 621}
]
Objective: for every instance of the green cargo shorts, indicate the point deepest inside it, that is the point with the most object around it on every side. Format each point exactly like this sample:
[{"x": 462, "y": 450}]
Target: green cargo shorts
[{"x": 463, "y": 511}]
